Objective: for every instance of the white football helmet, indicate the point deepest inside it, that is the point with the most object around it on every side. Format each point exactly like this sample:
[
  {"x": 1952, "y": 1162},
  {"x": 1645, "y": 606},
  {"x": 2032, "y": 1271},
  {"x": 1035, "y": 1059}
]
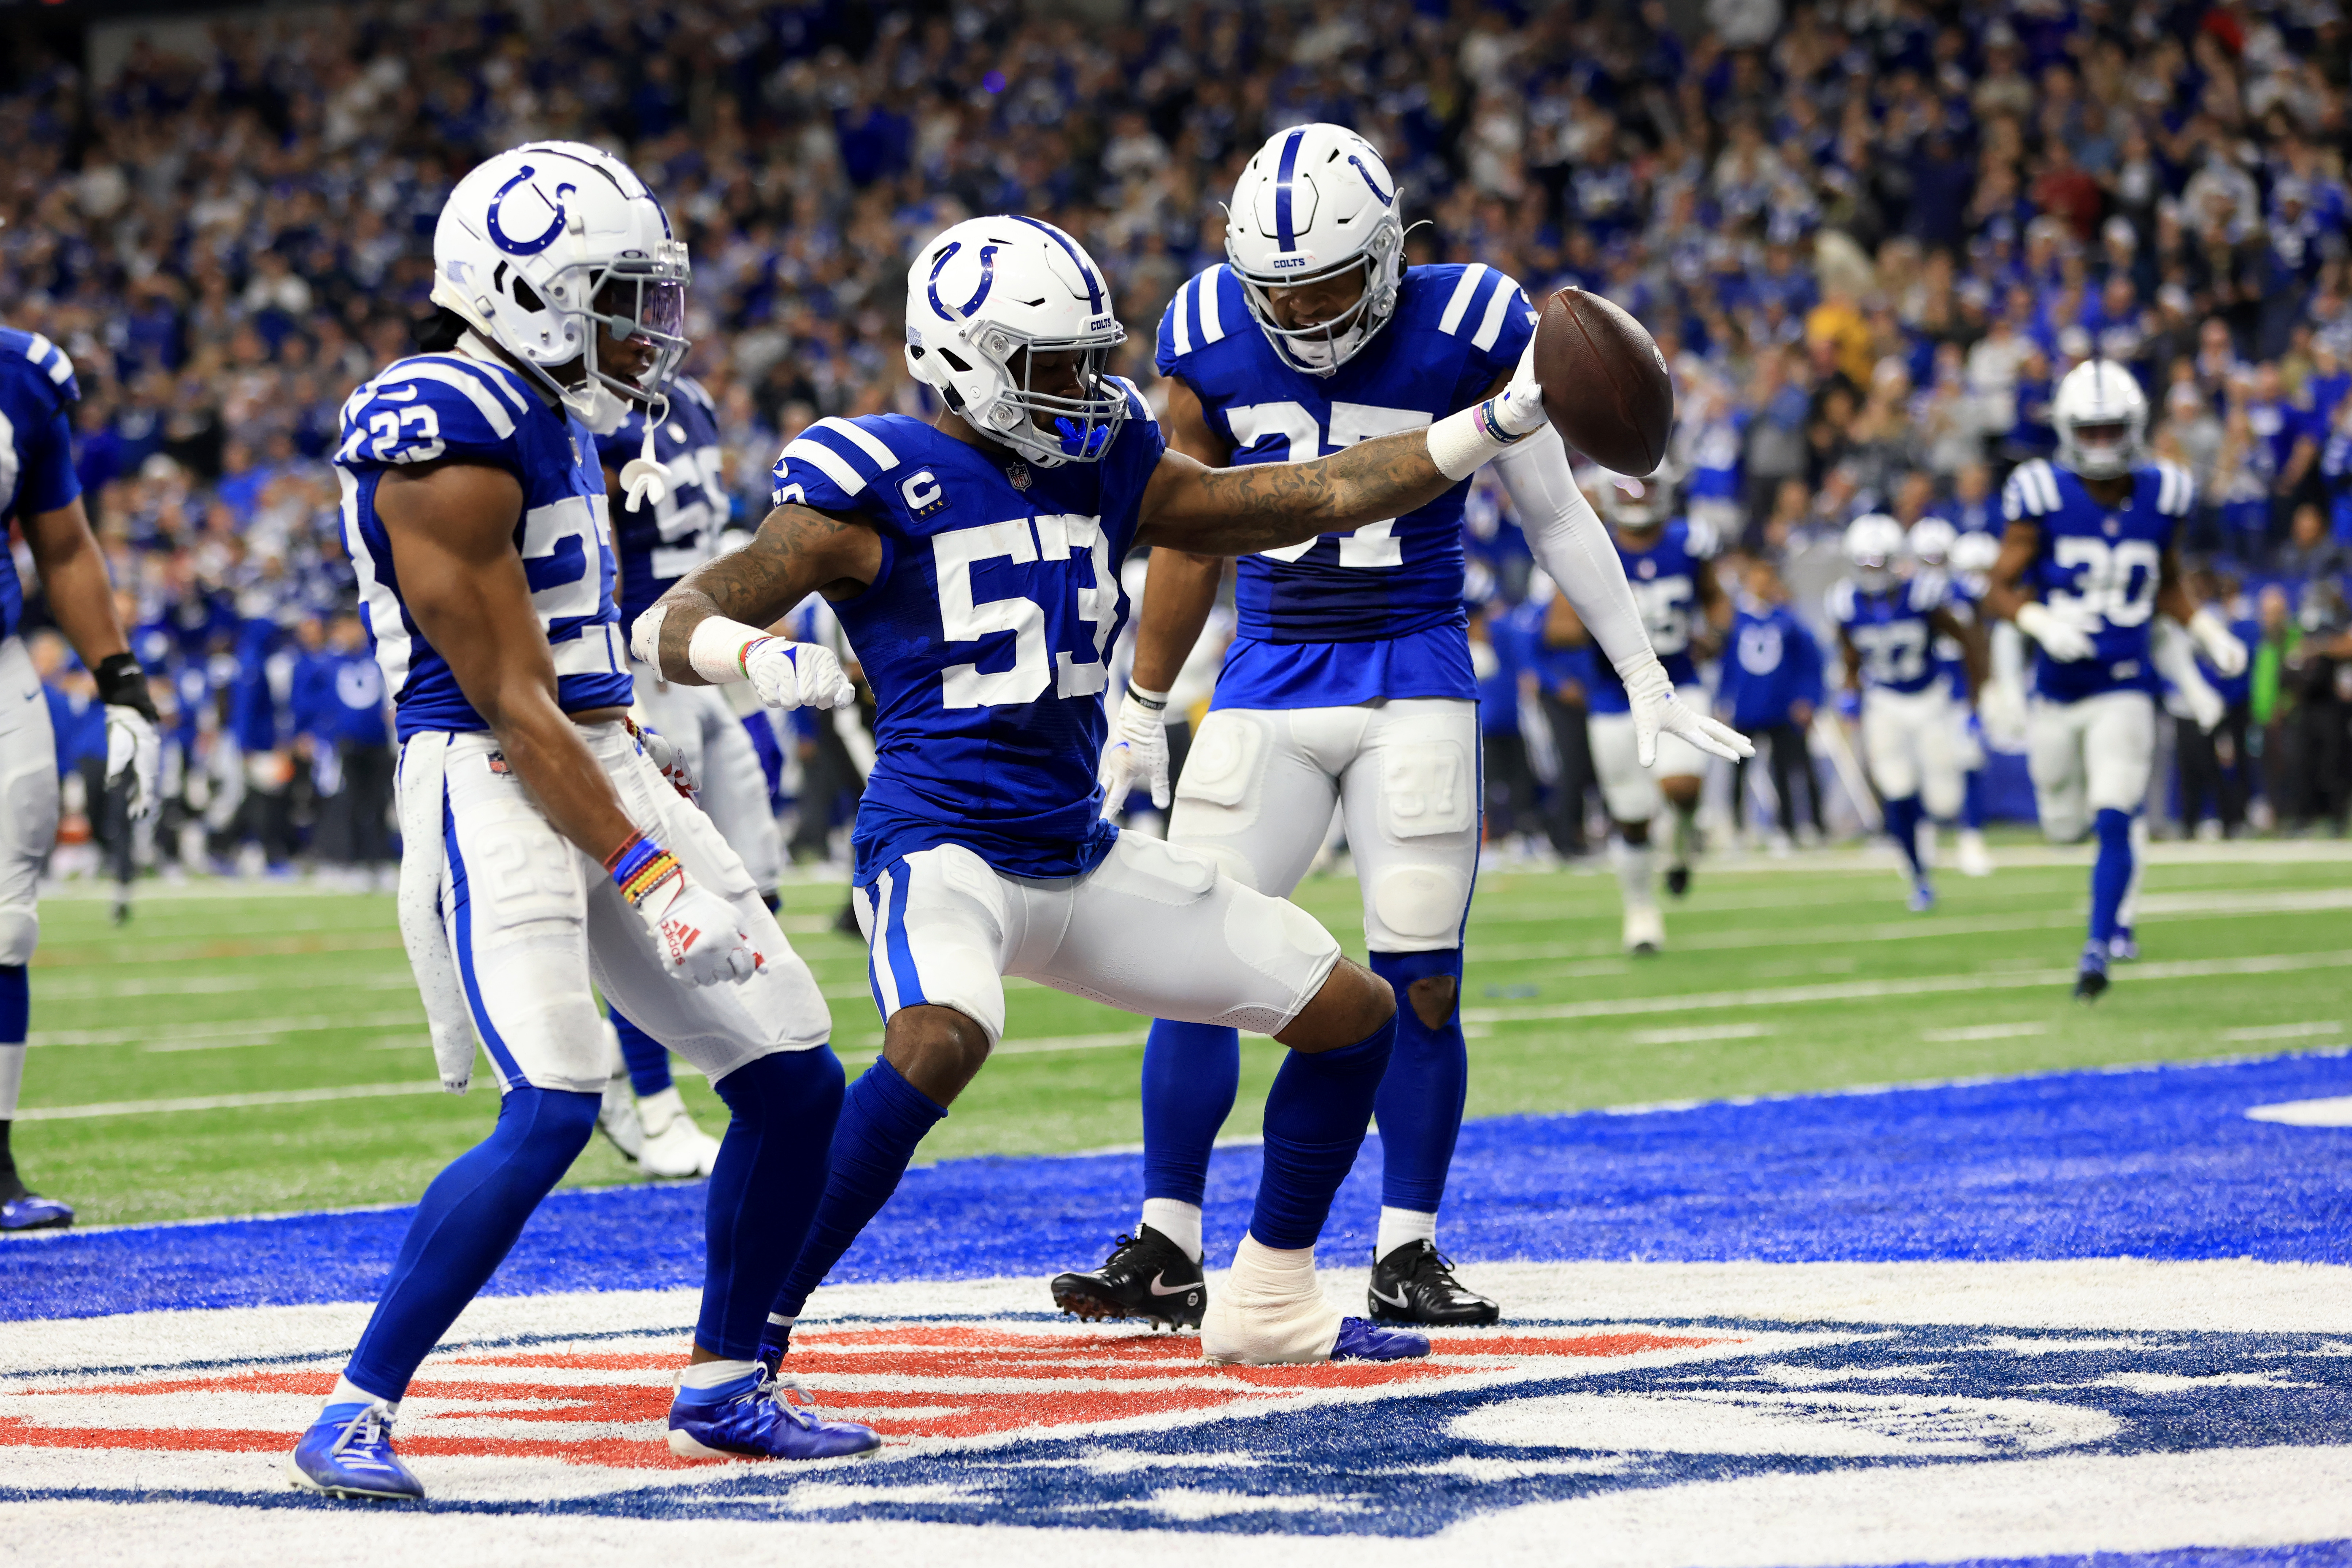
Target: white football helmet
[
  {"x": 1971, "y": 558},
  {"x": 985, "y": 295},
  {"x": 541, "y": 243},
  {"x": 2101, "y": 416},
  {"x": 1931, "y": 539},
  {"x": 1874, "y": 543},
  {"x": 1317, "y": 200},
  {"x": 1634, "y": 504}
]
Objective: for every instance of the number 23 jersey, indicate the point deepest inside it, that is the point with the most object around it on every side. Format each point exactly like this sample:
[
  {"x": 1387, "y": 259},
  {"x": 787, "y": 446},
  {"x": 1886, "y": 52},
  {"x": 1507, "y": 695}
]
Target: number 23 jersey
[
  {"x": 2100, "y": 566},
  {"x": 1348, "y": 617},
  {"x": 985, "y": 635}
]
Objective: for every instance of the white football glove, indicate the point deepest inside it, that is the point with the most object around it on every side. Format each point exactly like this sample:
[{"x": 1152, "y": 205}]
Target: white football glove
[
  {"x": 2000, "y": 711},
  {"x": 697, "y": 934},
  {"x": 134, "y": 754},
  {"x": 1657, "y": 709},
  {"x": 1136, "y": 748},
  {"x": 1520, "y": 410},
  {"x": 788, "y": 674},
  {"x": 2222, "y": 648},
  {"x": 2061, "y": 636},
  {"x": 664, "y": 756}
]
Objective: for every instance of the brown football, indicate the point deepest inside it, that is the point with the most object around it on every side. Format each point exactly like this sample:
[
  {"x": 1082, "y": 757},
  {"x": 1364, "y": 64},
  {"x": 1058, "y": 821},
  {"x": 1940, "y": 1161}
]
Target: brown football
[{"x": 1604, "y": 382}]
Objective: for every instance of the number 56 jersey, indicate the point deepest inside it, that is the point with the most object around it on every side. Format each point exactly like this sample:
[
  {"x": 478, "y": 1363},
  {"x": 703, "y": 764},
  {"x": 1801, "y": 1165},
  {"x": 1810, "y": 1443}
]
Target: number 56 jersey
[
  {"x": 985, "y": 636},
  {"x": 1348, "y": 617},
  {"x": 2100, "y": 566}
]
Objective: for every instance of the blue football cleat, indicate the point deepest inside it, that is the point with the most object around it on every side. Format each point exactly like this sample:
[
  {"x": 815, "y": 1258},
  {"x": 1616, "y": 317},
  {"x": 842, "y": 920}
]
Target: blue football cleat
[
  {"x": 1360, "y": 1340},
  {"x": 347, "y": 1453},
  {"x": 745, "y": 1419},
  {"x": 1923, "y": 898},
  {"x": 30, "y": 1211}
]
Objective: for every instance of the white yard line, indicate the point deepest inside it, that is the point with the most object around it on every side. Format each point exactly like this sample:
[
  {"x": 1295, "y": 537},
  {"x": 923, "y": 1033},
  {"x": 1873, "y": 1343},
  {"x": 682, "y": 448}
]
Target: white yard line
[
  {"x": 226, "y": 1031},
  {"x": 1985, "y": 1032},
  {"x": 221, "y": 1101},
  {"x": 2286, "y": 1031}
]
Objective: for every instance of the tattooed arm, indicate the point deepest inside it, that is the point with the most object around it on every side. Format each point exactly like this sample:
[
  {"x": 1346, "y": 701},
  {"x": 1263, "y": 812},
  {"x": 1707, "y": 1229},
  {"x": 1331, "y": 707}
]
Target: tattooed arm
[
  {"x": 1191, "y": 507},
  {"x": 798, "y": 551}
]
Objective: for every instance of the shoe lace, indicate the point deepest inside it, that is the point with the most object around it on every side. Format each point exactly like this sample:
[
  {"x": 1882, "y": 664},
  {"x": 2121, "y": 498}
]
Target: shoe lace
[
  {"x": 804, "y": 1414},
  {"x": 375, "y": 1417},
  {"x": 1437, "y": 1268},
  {"x": 1121, "y": 1247}
]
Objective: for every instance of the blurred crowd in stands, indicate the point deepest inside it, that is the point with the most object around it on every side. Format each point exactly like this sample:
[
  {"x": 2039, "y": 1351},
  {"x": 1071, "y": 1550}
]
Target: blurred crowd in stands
[{"x": 1869, "y": 237}]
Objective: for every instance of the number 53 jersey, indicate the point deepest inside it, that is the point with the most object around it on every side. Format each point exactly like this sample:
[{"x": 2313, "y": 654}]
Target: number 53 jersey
[
  {"x": 985, "y": 636},
  {"x": 1348, "y": 617},
  {"x": 2100, "y": 566}
]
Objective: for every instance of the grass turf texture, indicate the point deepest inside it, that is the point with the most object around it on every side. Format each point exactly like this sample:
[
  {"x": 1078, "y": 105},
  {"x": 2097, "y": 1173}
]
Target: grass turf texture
[{"x": 214, "y": 991}]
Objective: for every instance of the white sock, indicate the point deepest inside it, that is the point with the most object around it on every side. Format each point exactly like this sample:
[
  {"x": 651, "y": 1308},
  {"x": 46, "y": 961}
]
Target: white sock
[
  {"x": 1178, "y": 1220},
  {"x": 712, "y": 1373},
  {"x": 656, "y": 1111},
  {"x": 1637, "y": 872},
  {"x": 11, "y": 1079},
  {"x": 349, "y": 1392},
  {"x": 1399, "y": 1226}
]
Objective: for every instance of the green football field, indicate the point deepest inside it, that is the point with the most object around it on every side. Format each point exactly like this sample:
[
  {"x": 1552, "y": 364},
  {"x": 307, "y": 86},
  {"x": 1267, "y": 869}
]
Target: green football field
[{"x": 240, "y": 1051}]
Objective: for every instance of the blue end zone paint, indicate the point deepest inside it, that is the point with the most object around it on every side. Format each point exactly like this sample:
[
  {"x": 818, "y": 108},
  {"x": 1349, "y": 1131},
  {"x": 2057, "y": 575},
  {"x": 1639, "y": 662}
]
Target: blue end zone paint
[{"x": 2159, "y": 1163}]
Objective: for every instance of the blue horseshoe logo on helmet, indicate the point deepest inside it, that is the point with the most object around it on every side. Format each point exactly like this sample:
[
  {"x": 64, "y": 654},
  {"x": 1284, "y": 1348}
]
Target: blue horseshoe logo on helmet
[
  {"x": 987, "y": 281},
  {"x": 1388, "y": 198},
  {"x": 499, "y": 237}
]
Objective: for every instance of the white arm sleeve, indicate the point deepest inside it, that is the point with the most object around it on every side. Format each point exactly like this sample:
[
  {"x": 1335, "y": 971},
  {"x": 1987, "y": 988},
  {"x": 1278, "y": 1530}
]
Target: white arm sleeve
[{"x": 1569, "y": 542}]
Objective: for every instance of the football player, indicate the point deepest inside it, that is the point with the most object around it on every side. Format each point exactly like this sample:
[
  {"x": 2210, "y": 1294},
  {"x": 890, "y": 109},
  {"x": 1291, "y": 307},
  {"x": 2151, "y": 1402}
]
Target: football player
[
  {"x": 1667, "y": 560},
  {"x": 661, "y": 532},
  {"x": 546, "y": 857},
  {"x": 1968, "y": 559},
  {"x": 1888, "y": 625},
  {"x": 973, "y": 563},
  {"x": 1349, "y": 682},
  {"x": 40, "y": 494},
  {"x": 2089, "y": 563}
]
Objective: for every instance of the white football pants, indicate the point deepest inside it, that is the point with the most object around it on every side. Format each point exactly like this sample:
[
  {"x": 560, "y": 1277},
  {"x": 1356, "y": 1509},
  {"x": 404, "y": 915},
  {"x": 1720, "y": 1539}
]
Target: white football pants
[
  {"x": 2090, "y": 756},
  {"x": 1627, "y": 788},
  {"x": 709, "y": 738},
  {"x": 28, "y": 800},
  {"x": 1907, "y": 741}
]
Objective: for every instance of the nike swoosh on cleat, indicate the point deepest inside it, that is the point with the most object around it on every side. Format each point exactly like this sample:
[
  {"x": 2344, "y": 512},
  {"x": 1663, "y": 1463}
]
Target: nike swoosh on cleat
[
  {"x": 1397, "y": 1300},
  {"x": 1159, "y": 1290}
]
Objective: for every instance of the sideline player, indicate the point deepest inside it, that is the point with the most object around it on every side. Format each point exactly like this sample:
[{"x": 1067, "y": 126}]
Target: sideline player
[
  {"x": 1669, "y": 565},
  {"x": 1888, "y": 625},
  {"x": 658, "y": 538},
  {"x": 546, "y": 858},
  {"x": 40, "y": 493},
  {"x": 2090, "y": 561},
  {"x": 1348, "y": 683},
  {"x": 974, "y": 566}
]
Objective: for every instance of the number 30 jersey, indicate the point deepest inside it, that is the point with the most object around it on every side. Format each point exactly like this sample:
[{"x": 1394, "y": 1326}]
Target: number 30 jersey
[
  {"x": 2100, "y": 566},
  {"x": 456, "y": 408},
  {"x": 1348, "y": 617},
  {"x": 985, "y": 636}
]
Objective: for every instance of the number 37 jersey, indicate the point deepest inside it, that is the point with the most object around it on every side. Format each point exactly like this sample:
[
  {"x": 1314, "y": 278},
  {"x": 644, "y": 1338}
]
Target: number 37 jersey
[
  {"x": 1348, "y": 617},
  {"x": 2099, "y": 566},
  {"x": 985, "y": 636}
]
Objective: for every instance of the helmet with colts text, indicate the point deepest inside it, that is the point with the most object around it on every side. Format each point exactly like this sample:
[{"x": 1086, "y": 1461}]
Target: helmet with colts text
[
  {"x": 2101, "y": 417},
  {"x": 984, "y": 300},
  {"x": 539, "y": 245},
  {"x": 1317, "y": 202},
  {"x": 1930, "y": 540},
  {"x": 1874, "y": 543}
]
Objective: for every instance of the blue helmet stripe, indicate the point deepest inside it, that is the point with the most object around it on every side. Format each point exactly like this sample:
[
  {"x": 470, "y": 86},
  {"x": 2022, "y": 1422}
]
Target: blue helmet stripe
[
  {"x": 1283, "y": 176},
  {"x": 1094, "y": 284}
]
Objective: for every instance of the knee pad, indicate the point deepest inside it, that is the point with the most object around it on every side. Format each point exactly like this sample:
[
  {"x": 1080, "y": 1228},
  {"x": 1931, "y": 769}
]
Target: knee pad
[
  {"x": 1417, "y": 902},
  {"x": 20, "y": 932}
]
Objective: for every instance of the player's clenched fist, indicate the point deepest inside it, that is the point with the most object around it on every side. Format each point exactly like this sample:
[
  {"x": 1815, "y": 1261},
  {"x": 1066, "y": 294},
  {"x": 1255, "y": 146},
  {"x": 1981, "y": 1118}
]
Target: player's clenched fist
[
  {"x": 789, "y": 674},
  {"x": 694, "y": 930}
]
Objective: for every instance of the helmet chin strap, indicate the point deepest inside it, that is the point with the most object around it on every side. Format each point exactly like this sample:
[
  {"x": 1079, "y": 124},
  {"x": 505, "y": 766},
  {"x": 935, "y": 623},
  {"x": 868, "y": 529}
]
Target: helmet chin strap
[{"x": 644, "y": 477}]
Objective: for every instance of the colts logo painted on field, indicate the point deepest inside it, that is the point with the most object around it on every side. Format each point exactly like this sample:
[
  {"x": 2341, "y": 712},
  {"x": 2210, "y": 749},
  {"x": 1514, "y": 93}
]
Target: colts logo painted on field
[{"x": 533, "y": 245}]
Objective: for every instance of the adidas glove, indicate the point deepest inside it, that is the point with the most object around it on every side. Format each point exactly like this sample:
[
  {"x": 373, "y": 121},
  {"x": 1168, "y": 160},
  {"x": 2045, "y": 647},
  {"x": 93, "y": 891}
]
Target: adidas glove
[
  {"x": 695, "y": 931},
  {"x": 134, "y": 751},
  {"x": 664, "y": 756},
  {"x": 1137, "y": 751}
]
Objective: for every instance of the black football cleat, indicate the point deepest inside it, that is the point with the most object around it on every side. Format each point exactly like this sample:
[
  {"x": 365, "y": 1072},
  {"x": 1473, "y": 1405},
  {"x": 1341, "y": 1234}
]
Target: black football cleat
[
  {"x": 1415, "y": 1284},
  {"x": 1146, "y": 1276},
  {"x": 1677, "y": 880},
  {"x": 2091, "y": 982}
]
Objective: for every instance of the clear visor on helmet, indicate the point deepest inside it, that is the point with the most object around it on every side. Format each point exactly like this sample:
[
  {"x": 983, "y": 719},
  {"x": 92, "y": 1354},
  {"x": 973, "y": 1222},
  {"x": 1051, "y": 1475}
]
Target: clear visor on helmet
[
  {"x": 1058, "y": 391},
  {"x": 640, "y": 301},
  {"x": 1322, "y": 345}
]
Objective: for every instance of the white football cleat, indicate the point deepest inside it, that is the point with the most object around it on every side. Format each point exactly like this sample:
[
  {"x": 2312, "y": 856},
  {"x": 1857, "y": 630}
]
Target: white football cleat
[
  {"x": 674, "y": 1146},
  {"x": 617, "y": 1118},
  {"x": 1975, "y": 859},
  {"x": 1646, "y": 930}
]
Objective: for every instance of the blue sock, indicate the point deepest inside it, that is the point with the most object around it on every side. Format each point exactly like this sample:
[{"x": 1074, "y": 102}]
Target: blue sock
[
  {"x": 1903, "y": 826},
  {"x": 1191, "y": 1074},
  {"x": 647, "y": 1058},
  {"x": 764, "y": 1187},
  {"x": 16, "y": 1004},
  {"x": 882, "y": 1119},
  {"x": 1316, "y": 1115},
  {"x": 1420, "y": 1101},
  {"x": 1972, "y": 802},
  {"x": 2110, "y": 873},
  {"x": 468, "y": 1219}
]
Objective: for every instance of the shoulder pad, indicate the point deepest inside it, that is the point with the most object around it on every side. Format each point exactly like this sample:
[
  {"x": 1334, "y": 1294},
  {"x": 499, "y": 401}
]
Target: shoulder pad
[
  {"x": 434, "y": 407},
  {"x": 1206, "y": 308},
  {"x": 831, "y": 463},
  {"x": 2176, "y": 490},
  {"x": 2031, "y": 490},
  {"x": 1137, "y": 406},
  {"x": 1480, "y": 306},
  {"x": 50, "y": 364}
]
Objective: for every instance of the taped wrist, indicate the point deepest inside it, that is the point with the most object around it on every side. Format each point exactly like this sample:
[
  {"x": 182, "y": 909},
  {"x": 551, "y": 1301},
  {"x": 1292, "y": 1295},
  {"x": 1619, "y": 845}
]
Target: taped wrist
[
  {"x": 1461, "y": 443},
  {"x": 122, "y": 684},
  {"x": 641, "y": 867},
  {"x": 717, "y": 650},
  {"x": 1155, "y": 700}
]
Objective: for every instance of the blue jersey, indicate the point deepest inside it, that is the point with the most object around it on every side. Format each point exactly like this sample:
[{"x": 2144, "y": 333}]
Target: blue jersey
[
  {"x": 663, "y": 540},
  {"x": 986, "y": 634},
  {"x": 36, "y": 471},
  {"x": 2099, "y": 566},
  {"x": 1890, "y": 629},
  {"x": 456, "y": 408},
  {"x": 1664, "y": 573},
  {"x": 1348, "y": 617}
]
